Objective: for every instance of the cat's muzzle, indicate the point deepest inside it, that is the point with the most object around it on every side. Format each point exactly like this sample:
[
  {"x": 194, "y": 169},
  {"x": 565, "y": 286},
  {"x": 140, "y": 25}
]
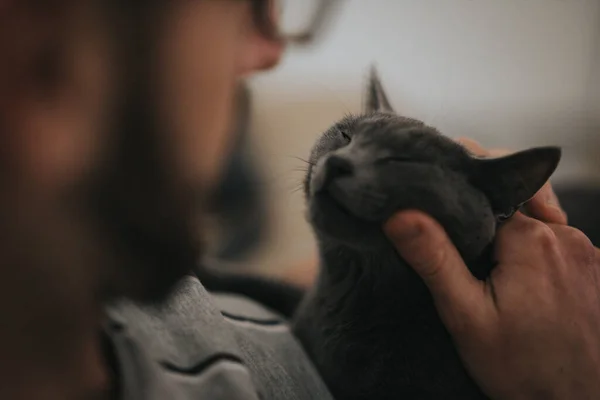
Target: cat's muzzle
[{"x": 350, "y": 187}]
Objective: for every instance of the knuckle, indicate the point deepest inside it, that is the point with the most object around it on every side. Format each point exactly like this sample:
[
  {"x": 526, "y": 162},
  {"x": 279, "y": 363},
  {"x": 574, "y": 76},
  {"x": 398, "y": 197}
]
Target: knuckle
[
  {"x": 542, "y": 235},
  {"x": 432, "y": 268},
  {"x": 577, "y": 244},
  {"x": 577, "y": 236}
]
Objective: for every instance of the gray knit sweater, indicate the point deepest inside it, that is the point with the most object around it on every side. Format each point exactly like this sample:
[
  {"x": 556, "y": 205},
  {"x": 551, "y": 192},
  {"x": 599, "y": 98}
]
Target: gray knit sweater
[{"x": 209, "y": 346}]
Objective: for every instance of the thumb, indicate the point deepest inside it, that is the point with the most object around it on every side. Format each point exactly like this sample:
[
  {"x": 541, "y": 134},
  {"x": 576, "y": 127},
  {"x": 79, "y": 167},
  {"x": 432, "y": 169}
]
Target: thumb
[{"x": 425, "y": 246}]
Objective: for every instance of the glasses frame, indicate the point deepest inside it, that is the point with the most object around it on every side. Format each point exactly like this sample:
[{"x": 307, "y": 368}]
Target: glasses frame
[{"x": 318, "y": 22}]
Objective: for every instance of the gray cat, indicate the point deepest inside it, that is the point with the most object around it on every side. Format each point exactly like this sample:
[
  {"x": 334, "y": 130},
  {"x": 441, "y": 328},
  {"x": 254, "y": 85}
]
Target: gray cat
[{"x": 369, "y": 323}]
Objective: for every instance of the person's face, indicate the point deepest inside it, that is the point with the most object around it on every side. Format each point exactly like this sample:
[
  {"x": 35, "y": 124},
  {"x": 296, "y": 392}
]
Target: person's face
[
  {"x": 173, "y": 130},
  {"x": 207, "y": 46},
  {"x": 135, "y": 109},
  {"x": 202, "y": 48},
  {"x": 108, "y": 129},
  {"x": 181, "y": 112}
]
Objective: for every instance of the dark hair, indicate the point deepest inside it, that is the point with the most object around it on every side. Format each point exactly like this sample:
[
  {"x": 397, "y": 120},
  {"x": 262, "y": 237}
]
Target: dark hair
[{"x": 263, "y": 18}]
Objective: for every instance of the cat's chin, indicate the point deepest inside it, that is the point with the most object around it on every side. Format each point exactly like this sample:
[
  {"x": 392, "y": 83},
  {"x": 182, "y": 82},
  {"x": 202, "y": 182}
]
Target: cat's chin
[{"x": 336, "y": 225}]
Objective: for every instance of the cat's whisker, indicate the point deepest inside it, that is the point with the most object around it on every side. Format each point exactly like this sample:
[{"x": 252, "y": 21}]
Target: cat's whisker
[
  {"x": 297, "y": 188},
  {"x": 298, "y": 185},
  {"x": 303, "y": 160},
  {"x": 276, "y": 178},
  {"x": 300, "y": 169}
]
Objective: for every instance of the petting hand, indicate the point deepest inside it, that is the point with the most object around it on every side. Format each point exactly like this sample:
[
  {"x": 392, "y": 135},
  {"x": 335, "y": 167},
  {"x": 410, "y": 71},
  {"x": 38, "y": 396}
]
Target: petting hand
[{"x": 532, "y": 330}]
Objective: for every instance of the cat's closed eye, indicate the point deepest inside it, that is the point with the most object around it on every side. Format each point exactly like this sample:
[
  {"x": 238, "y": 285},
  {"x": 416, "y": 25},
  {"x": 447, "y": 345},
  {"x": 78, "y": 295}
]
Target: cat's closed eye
[
  {"x": 395, "y": 159},
  {"x": 345, "y": 136}
]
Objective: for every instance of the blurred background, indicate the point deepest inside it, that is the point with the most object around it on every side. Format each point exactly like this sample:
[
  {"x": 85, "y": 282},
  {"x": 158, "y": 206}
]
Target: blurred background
[{"x": 510, "y": 73}]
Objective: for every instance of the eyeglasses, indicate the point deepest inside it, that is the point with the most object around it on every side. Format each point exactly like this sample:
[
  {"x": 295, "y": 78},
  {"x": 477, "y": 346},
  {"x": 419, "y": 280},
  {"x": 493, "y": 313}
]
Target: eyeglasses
[{"x": 298, "y": 21}]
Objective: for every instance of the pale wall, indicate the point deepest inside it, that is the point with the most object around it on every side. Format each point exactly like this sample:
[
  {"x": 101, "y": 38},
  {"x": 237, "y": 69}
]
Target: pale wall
[{"x": 510, "y": 73}]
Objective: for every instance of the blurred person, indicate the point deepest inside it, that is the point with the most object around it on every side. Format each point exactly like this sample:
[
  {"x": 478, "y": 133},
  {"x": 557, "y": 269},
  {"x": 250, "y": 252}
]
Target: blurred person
[
  {"x": 238, "y": 202},
  {"x": 114, "y": 124}
]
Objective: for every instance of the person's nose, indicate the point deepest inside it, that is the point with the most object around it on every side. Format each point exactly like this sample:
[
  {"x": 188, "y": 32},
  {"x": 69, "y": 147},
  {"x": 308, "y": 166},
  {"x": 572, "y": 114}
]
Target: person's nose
[{"x": 260, "y": 53}]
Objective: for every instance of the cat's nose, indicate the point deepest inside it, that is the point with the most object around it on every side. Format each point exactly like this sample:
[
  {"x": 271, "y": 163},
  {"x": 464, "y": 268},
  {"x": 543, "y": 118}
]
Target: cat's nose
[
  {"x": 330, "y": 170},
  {"x": 337, "y": 167}
]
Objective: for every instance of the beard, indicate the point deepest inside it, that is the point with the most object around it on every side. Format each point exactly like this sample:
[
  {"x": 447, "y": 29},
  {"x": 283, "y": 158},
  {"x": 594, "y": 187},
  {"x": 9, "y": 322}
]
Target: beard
[
  {"x": 125, "y": 230},
  {"x": 145, "y": 214}
]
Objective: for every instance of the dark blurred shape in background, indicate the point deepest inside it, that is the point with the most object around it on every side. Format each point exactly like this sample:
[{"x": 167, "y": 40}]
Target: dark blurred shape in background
[
  {"x": 582, "y": 205},
  {"x": 239, "y": 205}
]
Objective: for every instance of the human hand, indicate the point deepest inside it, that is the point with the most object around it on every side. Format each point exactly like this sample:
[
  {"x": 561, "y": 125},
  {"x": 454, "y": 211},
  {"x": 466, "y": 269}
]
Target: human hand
[
  {"x": 302, "y": 274},
  {"x": 532, "y": 330}
]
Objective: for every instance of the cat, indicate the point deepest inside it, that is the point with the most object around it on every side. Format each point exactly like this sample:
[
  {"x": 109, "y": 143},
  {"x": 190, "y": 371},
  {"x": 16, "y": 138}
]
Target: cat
[{"x": 369, "y": 324}]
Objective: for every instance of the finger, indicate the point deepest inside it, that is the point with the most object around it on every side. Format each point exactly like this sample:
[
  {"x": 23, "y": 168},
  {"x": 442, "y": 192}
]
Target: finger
[
  {"x": 575, "y": 246},
  {"x": 546, "y": 207},
  {"x": 424, "y": 245},
  {"x": 499, "y": 152},
  {"x": 478, "y": 150},
  {"x": 524, "y": 241},
  {"x": 473, "y": 146}
]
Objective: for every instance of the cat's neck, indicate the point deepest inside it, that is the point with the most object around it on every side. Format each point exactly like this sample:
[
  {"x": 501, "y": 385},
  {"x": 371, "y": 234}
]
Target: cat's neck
[{"x": 379, "y": 278}]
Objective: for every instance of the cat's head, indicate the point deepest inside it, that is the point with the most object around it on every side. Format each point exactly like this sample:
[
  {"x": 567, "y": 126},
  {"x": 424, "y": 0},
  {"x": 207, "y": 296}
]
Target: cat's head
[{"x": 366, "y": 167}]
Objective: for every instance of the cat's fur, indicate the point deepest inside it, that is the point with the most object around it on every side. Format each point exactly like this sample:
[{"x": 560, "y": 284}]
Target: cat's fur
[{"x": 369, "y": 323}]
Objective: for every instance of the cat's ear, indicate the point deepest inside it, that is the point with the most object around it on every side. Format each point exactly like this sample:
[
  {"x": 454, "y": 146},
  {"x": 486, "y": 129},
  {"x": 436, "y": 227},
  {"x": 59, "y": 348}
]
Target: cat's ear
[
  {"x": 376, "y": 99},
  {"x": 512, "y": 180}
]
